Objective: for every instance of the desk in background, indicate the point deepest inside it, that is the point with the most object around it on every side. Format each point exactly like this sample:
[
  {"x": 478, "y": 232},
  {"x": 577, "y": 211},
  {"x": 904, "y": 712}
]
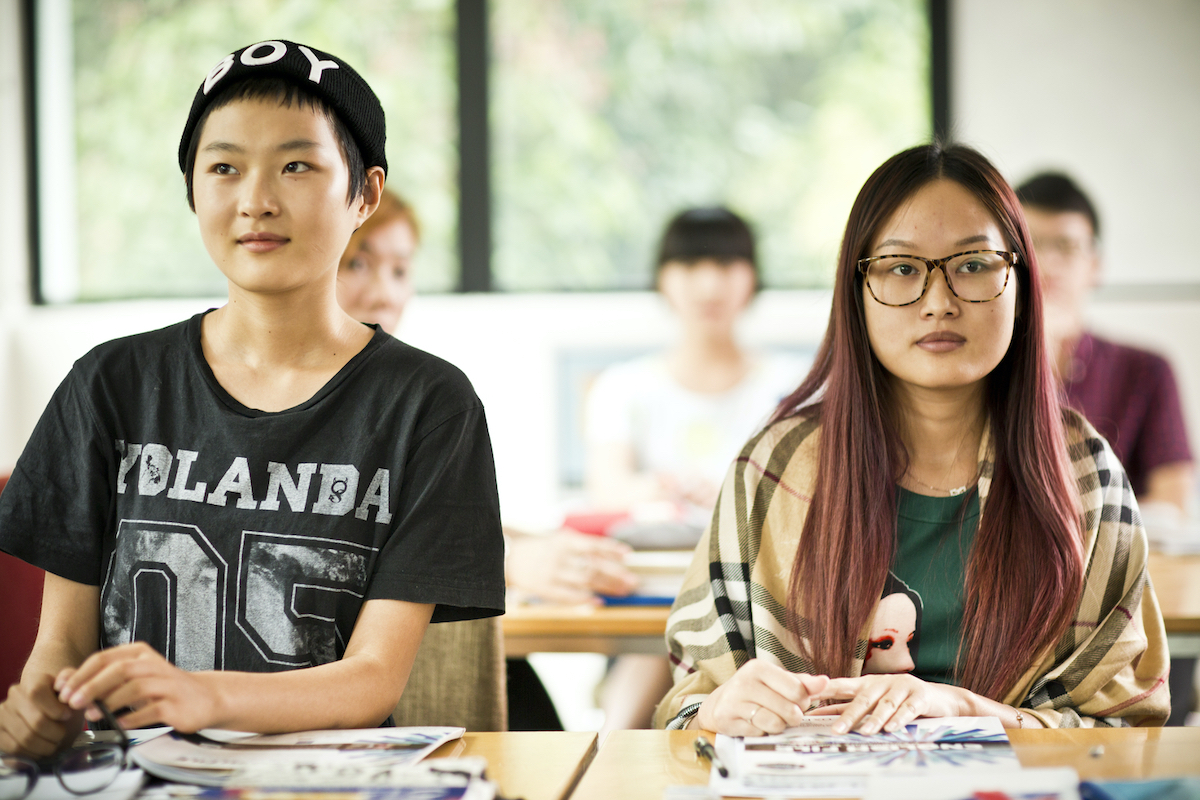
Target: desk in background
[
  {"x": 550, "y": 628},
  {"x": 611, "y": 630},
  {"x": 637, "y": 765},
  {"x": 1176, "y": 582},
  {"x": 530, "y": 765}
]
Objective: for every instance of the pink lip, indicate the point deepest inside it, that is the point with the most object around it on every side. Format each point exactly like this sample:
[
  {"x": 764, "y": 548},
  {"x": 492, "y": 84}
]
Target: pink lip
[
  {"x": 941, "y": 341},
  {"x": 261, "y": 241}
]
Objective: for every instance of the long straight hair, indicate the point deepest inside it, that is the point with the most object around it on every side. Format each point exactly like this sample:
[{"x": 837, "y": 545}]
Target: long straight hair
[{"x": 1025, "y": 570}]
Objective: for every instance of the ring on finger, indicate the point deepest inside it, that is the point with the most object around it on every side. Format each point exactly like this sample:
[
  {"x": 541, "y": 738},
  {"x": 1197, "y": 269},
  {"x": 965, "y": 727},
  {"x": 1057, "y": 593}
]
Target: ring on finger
[{"x": 750, "y": 719}]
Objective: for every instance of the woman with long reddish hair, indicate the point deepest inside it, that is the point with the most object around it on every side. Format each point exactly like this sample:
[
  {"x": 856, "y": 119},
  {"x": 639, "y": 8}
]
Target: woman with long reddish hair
[{"x": 925, "y": 458}]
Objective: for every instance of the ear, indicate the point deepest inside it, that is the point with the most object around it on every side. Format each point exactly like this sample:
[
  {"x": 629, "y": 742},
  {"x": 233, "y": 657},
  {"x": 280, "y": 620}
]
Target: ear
[{"x": 372, "y": 193}]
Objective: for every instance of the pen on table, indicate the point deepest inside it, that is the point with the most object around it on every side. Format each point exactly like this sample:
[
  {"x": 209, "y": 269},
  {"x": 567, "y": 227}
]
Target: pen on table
[{"x": 704, "y": 749}]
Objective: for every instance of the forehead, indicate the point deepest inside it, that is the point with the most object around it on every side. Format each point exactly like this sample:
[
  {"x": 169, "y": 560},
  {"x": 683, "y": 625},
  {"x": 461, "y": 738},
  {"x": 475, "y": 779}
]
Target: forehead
[
  {"x": 395, "y": 237},
  {"x": 941, "y": 214},
  {"x": 1045, "y": 223},
  {"x": 250, "y": 121}
]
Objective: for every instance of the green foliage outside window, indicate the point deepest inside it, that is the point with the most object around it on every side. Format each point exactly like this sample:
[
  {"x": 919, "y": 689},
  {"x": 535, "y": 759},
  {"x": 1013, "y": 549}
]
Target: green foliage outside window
[
  {"x": 610, "y": 116},
  {"x": 607, "y": 116},
  {"x": 138, "y": 64}
]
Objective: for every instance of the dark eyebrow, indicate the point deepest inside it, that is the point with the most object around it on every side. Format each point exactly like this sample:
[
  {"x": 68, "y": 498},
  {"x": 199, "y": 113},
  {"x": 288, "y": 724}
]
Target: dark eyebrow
[
  {"x": 298, "y": 144},
  {"x": 230, "y": 147},
  {"x": 983, "y": 237},
  {"x": 222, "y": 147}
]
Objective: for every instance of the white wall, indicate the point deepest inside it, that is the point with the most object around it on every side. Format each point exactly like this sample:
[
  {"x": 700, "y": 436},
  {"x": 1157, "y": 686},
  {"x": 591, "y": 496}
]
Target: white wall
[
  {"x": 1109, "y": 91},
  {"x": 1134, "y": 97}
]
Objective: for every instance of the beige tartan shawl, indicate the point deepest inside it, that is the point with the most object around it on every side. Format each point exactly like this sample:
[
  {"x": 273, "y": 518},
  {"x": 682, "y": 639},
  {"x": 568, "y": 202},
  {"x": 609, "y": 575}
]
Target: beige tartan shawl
[{"x": 1109, "y": 668}]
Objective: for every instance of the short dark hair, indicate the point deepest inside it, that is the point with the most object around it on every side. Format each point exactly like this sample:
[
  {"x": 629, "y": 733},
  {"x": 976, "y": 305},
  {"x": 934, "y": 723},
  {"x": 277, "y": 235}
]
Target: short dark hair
[
  {"x": 707, "y": 232},
  {"x": 286, "y": 94},
  {"x": 1054, "y": 191}
]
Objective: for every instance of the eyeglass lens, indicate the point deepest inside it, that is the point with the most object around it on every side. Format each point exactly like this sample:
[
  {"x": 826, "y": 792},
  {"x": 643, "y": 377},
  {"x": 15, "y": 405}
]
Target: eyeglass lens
[
  {"x": 899, "y": 280},
  {"x": 17, "y": 777},
  {"x": 90, "y": 769}
]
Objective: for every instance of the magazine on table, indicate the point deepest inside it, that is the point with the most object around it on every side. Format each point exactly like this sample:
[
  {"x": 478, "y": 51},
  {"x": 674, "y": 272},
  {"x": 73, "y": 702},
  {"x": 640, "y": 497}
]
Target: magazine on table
[
  {"x": 1039, "y": 783},
  {"x": 812, "y": 761},
  {"x": 359, "y": 757},
  {"x": 436, "y": 779}
]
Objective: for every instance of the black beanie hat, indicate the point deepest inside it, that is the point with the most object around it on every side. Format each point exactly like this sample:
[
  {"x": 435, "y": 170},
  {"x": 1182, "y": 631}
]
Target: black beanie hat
[{"x": 320, "y": 73}]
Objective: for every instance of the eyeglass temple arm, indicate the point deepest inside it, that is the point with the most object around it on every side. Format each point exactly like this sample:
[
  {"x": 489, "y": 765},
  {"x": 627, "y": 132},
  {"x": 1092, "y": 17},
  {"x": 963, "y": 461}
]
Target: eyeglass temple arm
[{"x": 113, "y": 723}]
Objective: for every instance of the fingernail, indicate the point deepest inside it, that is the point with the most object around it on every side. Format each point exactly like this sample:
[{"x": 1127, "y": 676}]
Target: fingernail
[
  {"x": 77, "y": 701},
  {"x": 840, "y": 727}
]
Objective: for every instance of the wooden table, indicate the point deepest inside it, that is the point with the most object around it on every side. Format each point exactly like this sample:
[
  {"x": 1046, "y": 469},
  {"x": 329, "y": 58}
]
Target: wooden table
[
  {"x": 549, "y": 628},
  {"x": 1176, "y": 582},
  {"x": 641, "y": 764},
  {"x": 531, "y": 765},
  {"x": 612, "y": 630}
]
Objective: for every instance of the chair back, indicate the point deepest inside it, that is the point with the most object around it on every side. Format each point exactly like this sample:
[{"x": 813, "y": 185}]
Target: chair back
[
  {"x": 458, "y": 678},
  {"x": 20, "y": 609}
]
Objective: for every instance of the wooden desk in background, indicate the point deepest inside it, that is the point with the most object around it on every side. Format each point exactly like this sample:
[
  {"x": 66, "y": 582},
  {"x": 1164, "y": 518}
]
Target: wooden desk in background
[
  {"x": 533, "y": 765},
  {"x": 1177, "y": 584},
  {"x": 633, "y": 765},
  {"x": 549, "y": 628},
  {"x": 612, "y": 630}
]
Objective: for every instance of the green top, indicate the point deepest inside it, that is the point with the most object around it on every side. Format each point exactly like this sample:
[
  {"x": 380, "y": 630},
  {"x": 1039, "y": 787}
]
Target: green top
[{"x": 933, "y": 543}]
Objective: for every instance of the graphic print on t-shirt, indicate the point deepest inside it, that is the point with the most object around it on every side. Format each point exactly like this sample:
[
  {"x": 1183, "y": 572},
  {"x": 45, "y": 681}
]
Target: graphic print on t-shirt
[
  {"x": 167, "y": 584},
  {"x": 200, "y": 587},
  {"x": 895, "y": 630}
]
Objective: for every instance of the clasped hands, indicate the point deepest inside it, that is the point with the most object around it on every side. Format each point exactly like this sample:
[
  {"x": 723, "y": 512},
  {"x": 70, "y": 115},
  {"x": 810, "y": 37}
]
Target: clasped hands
[
  {"x": 764, "y": 698},
  {"x": 42, "y": 714}
]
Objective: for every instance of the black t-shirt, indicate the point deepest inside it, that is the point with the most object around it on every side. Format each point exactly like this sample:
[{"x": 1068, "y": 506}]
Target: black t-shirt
[{"x": 231, "y": 538}]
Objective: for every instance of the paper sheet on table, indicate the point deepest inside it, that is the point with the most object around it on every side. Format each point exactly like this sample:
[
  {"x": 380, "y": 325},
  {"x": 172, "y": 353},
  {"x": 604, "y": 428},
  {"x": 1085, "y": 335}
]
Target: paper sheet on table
[
  {"x": 1056, "y": 783},
  {"x": 811, "y": 761},
  {"x": 216, "y": 758}
]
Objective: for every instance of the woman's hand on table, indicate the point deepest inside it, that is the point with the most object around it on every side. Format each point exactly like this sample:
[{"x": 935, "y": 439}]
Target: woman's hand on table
[
  {"x": 873, "y": 703},
  {"x": 568, "y": 567},
  {"x": 760, "y": 698},
  {"x": 136, "y": 676},
  {"x": 33, "y": 722}
]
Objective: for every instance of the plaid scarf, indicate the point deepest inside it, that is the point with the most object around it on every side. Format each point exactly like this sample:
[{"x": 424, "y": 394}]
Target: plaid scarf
[{"x": 1108, "y": 669}]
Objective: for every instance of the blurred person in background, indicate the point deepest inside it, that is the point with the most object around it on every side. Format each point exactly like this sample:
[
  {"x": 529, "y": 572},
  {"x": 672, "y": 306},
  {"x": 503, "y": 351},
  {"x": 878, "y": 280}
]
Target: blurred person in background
[
  {"x": 1129, "y": 394},
  {"x": 375, "y": 283},
  {"x": 664, "y": 428},
  {"x": 375, "y": 279}
]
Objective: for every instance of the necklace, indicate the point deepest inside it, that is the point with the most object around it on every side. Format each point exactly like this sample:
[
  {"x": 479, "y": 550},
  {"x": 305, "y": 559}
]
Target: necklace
[{"x": 955, "y": 492}]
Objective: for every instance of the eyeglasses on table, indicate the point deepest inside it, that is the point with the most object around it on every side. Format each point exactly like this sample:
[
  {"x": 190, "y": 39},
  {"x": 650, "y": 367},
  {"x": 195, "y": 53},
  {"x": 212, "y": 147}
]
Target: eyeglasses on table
[{"x": 81, "y": 770}]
